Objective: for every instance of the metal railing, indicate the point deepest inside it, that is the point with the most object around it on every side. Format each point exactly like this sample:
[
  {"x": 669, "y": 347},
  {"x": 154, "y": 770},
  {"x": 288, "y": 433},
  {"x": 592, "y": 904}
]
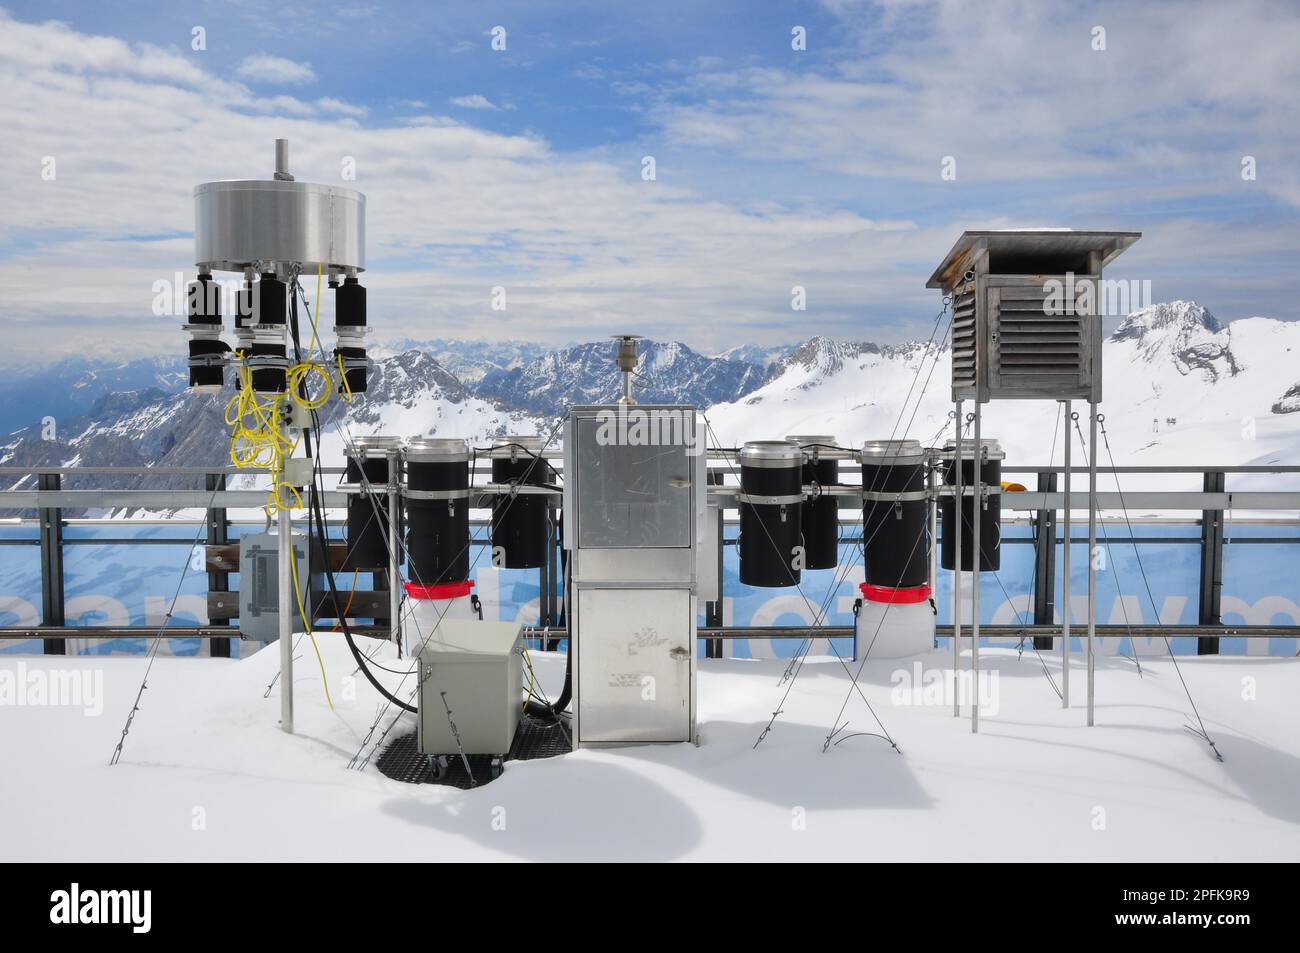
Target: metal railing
[{"x": 1037, "y": 508}]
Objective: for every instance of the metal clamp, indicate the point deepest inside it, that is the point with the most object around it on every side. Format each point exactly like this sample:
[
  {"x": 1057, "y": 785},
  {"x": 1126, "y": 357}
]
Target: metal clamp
[
  {"x": 409, "y": 494},
  {"x": 905, "y": 496},
  {"x": 759, "y": 499}
]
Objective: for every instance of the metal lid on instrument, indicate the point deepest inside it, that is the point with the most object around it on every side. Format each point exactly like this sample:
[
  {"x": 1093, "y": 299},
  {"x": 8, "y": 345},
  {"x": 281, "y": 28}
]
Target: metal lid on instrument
[
  {"x": 809, "y": 440},
  {"x": 992, "y": 449},
  {"x": 437, "y": 450},
  {"x": 771, "y": 454},
  {"x": 892, "y": 452},
  {"x": 507, "y": 447},
  {"x": 372, "y": 446}
]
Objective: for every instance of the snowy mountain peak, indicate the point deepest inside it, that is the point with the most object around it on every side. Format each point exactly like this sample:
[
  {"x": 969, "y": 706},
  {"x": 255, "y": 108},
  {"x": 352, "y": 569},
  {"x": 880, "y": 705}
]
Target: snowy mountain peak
[
  {"x": 1183, "y": 317},
  {"x": 1184, "y": 333},
  {"x": 822, "y": 355}
]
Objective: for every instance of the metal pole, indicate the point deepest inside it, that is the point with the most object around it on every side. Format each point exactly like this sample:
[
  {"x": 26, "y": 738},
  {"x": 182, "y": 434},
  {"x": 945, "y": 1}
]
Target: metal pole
[
  {"x": 51, "y": 537},
  {"x": 218, "y": 533},
  {"x": 931, "y": 482},
  {"x": 286, "y": 619},
  {"x": 394, "y": 551},
  {"x": 977, "y": 553},
  {"x": 956, "y": 572},
  {"x": 282, "y": 160},
  {"x": 1092, "y": 550},
  {"x": 1211, "y": 588},
  {"x": 1065, "y": 569}
]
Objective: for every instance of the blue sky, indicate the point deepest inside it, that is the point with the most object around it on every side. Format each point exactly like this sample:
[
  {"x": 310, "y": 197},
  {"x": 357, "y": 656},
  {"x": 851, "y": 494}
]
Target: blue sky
[{"x": 775, "y": 167}]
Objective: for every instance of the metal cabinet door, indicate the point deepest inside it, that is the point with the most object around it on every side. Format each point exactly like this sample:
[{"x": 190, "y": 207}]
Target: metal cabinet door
[
  {"x": 634, "y": 665},
  {"x": 631, "y": 497}
]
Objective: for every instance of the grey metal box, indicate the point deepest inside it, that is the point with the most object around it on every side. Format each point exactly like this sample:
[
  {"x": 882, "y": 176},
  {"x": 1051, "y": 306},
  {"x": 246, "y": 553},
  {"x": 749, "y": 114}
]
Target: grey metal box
[
  {"x": 634, "y": 504},
  {"x": 259, "y": 585},
  {"x": 478, "y": 667}
]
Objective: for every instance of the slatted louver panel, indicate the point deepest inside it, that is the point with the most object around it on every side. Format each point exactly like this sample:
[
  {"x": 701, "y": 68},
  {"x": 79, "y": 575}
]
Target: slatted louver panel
[
  {"x": 964, "y": 341},
  {"x": 1037, "y": 344}
]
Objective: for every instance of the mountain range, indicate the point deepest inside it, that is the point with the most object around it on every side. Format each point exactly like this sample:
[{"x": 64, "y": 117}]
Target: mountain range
[{"x": 1178, "y": 386}]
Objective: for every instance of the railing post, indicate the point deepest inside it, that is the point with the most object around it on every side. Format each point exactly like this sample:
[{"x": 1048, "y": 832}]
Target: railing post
[
  {"x": 1045, "y": 563},
  {"x": 218, "y": 533},
  {"x": 713, "y": 648},
  {"x": 548, "y": 581},
  {"x": 51, "y": 520},
  {"x": 1211, "y": 591}
]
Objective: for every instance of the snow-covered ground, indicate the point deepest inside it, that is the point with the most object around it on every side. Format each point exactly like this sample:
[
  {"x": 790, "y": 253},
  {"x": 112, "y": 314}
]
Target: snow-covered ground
[{"x": 207, "y": 775}]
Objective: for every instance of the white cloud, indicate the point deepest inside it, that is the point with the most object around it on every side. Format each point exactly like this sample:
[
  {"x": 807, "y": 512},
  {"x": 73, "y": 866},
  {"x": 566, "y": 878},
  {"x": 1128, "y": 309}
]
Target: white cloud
[
  {"x": 265, "y": 68},
  {"x": 328, "y": 104},
  {"x": 1015, "y": 92},
  {"x": 476, "y": 101},
  {"x": 583, "y": 246}
]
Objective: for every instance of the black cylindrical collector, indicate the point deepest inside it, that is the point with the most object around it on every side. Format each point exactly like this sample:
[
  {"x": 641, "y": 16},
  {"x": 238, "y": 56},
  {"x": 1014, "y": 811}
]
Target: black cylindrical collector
[
  {"x": 367, "y": 536},
  {"x": 821, "y": 512},
  {"x": 207, "y": 350},
  {"x": 519, "y": 532},
  {"x": 437, "y": 510},
  {"x": 895, "y": 514},
  {"x": 267, "y": 358},
  {"x": 350, "y": 326},
  {"x": 771, "y": 503},
  {"x": 990, "y": 518}
]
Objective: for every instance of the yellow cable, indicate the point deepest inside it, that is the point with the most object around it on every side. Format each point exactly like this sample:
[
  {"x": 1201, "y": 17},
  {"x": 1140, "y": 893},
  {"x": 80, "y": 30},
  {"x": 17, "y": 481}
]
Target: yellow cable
[
  {"x": 302, "y": 612},
  {"x": 259, "y": 440},
  {"x": 343, "y": 376},
  {"x": 315, "y": 316}
]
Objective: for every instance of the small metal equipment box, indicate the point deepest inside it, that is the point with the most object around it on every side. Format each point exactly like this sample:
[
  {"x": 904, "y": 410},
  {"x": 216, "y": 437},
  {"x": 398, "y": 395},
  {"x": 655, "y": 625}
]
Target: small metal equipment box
[
  {"x": 474, "y": 669},
  {"x": 259, "y": 588}
]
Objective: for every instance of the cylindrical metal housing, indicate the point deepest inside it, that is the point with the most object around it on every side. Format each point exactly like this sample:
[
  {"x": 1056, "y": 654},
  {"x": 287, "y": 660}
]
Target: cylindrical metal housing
[
  {"x": 207, "y": 350},
  {"x": 771, "y": 504},
  {"x": 990, "y": 542},
  {"x": 240, "y": 223},
  {"x": 821, "y": 514},
  {"x": 350, "y": 326},
  {"x": 519, "y": 522},
  {"x": 895, "y": 514},
  {"x": 367, "y": 530},
  {"x": 437, "y": 510},
  {"x": 268, "y": 362},
  {"x": 272, "y": 301}
]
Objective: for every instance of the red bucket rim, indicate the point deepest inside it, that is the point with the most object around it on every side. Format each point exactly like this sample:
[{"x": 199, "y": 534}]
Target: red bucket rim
[
  {"x": 908, "y": 595},
  {"x": 445, "y": 590}
]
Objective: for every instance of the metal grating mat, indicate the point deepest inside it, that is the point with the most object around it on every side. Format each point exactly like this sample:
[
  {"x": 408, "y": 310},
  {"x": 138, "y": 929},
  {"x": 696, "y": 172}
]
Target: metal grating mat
[{"x": 536, "y": 738}]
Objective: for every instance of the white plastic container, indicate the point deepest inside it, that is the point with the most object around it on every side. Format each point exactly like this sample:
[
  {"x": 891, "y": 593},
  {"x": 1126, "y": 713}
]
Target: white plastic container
[
  {"x": 893, "y": 623},
  {"x": 429, "y": 606}
]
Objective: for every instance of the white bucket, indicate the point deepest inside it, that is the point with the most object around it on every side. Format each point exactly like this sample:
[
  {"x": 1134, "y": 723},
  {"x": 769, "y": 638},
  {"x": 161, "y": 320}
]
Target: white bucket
[
  {"x": 427, "y": 606},
  {"x": 894, "y": 623}
]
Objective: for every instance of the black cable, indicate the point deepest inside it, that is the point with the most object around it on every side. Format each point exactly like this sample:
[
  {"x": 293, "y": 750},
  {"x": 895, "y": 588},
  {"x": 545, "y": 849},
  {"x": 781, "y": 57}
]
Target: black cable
[
  {"x": 317, "y": 517},
  {"x": 316, "y": 520}
]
